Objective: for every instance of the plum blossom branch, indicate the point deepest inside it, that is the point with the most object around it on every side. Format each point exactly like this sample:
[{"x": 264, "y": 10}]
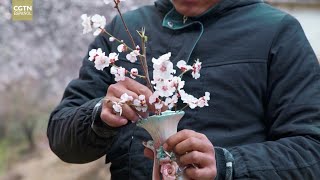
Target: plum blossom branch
[
  {"x": 117, "y": 2},
  {"x": 167, "y": 87}
]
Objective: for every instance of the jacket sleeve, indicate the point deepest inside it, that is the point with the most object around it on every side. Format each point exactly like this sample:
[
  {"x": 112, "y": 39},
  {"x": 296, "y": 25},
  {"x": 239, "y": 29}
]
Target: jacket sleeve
[
  {"x": 69, "y": 131},
  {"x": 292, "y": 112}
]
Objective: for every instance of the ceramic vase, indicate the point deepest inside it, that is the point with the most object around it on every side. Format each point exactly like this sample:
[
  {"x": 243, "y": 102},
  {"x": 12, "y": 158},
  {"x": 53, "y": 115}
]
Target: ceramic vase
[{"x": 161, "y": 127}]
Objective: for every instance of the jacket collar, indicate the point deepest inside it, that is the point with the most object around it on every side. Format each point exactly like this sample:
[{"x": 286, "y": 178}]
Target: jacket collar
[
  {"x": 173, "y": 20},
  {"x": 164, "y": 6}
]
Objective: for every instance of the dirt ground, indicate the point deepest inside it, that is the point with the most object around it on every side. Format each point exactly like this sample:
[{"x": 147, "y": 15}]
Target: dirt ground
[{"x": 47, "y": 166}]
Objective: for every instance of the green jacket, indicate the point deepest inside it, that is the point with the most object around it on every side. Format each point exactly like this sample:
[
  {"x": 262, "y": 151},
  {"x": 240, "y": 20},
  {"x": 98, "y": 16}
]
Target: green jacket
[{"x": 262, "y": 74}]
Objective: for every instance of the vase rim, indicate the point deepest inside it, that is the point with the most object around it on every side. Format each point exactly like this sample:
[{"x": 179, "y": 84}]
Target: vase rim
[{"x": 163, "y": 115}]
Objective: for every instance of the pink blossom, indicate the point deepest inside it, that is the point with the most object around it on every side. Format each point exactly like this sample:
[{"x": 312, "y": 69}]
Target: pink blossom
[
  {"x": 165, "y": 160},
  {"x": 196, "y": 67},
  {"x": 182, "y": 65},
  {"x": 169, "y": 170},
  {"x": 203, "y": 101}
]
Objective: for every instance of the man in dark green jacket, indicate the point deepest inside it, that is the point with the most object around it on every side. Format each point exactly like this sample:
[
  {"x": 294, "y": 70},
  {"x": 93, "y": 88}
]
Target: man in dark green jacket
[{"x": 264, "y": 79}]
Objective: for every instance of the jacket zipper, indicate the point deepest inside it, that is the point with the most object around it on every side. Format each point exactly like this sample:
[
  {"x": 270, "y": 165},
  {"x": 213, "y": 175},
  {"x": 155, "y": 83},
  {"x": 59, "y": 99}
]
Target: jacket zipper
[{"x": 185, "y": 18}]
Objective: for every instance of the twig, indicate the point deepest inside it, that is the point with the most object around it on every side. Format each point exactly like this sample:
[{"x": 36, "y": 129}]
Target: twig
[{"x": 124, "y": 23}]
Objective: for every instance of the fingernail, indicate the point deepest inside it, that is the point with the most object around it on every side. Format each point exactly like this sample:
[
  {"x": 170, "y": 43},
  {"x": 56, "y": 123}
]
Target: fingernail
[
  {"x": 165, "y": 146},
  {"x": 123, "y": 121}
]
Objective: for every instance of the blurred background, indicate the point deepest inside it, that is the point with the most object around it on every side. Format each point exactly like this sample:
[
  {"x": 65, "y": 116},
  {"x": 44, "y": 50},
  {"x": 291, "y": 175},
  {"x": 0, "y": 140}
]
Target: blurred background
[{"x": 41, "y": 56}]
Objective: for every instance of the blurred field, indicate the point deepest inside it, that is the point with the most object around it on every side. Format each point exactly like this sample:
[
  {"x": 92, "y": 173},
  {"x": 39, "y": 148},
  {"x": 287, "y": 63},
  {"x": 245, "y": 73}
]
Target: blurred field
[
  {"x": 45, "y": 165},
  {"x": 39, "y": 58}
]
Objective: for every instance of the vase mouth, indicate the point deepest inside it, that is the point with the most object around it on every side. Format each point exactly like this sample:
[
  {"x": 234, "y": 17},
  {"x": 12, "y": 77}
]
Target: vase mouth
[
  {"x": 163, "y": 115},
  {"x": 169, "y": 113}
]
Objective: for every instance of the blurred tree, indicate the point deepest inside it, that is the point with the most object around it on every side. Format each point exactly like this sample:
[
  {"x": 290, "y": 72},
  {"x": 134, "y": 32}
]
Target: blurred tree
[
  {"x": 24, "y": 107},
  {"x": 40, "y": 57}
]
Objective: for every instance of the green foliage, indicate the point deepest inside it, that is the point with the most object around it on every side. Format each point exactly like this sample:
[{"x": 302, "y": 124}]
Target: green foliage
[{"x": 3, "y": 156}]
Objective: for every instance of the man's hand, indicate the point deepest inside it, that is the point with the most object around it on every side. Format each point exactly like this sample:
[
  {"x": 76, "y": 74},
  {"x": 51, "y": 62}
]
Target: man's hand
[
  {"x": 194, "y": 149},
  {"x": 132, "y": 88}
]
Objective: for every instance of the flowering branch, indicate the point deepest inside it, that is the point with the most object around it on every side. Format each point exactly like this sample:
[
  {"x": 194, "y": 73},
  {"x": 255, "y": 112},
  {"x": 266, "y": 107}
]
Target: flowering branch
[
  {"x": 166, "y": 87},
  {"x": 144, "y": 63},
  {"x": 116, "y": 39},
  {"x": 123, "y": 22}
]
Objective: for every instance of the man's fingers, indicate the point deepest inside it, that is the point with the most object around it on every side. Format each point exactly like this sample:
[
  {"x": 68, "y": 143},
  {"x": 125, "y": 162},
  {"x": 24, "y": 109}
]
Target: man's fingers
[
  {"x": 200, "y": 173},
  {"x": 132, "y": 88},
  {"x": 118, "y": 90},
  {"x": 191, "y": 144},
  {"x": 130, "y": 113},
  {"x": 139, "y": 89},
  {"x": 109, "y": 116},
  {"x": 112, "y": 119},
  {"x": 180, "y": 136},
  {"x": 136, "y": 87},
  {"x": 195, "y": 157},
  {"x": 148, "y": 153}
]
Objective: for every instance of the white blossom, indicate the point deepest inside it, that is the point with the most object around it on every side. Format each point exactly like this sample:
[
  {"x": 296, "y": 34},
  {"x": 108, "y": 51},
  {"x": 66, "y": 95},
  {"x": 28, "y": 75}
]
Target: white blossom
[
  {"x": 113, "y": 57},
  {"x": 132, "y": 56},
  {"x": 121, "y": 48},
  {"x": 203, "y": 101},
  {"x": 162, "y": 68},
  {"x": 125, "y": 98},
  {"x": 196, "y": 67},
  {"x": 117, "y": 107},
  {"x": 188, "y": 99},
  {"x": 182, "y": 65},
  {"x": 119, "y": 73},
  {"x": 154, "y": 97},
  {"x": 101, "y": 61},
  {"x": 163, "y": 58},
  {"x": 86, "y": 23},
  {"x": 93, "y": 53},
  {"x": 134, "y": 73},
  {"x": 111, "y": 39},
  {"x": 158, "y": 106},
  {"x": 140, "y": 103},
  {"x": 170, "y": 102},
  {"x": 165, "y": 88},
  {"x": 98, "y": 22},
  {"x": 177, "y": 83}
]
